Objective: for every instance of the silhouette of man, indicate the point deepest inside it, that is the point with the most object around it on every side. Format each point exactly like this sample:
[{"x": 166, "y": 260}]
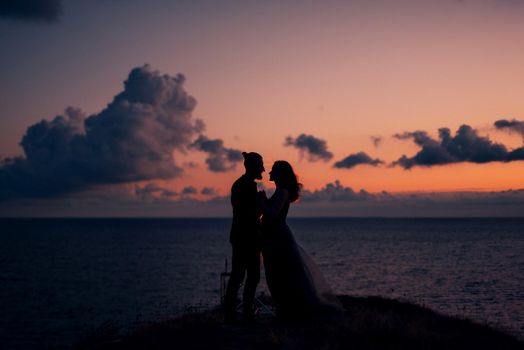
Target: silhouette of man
[{"x": 244, "y": 238}]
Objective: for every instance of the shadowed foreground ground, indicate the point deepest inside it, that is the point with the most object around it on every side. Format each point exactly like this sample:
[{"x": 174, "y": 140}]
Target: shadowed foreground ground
[{"x": 370, "y": 323}]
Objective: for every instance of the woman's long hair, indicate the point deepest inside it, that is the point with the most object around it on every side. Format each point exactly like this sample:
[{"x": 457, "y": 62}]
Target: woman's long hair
[{"x": 288, "y": 179}]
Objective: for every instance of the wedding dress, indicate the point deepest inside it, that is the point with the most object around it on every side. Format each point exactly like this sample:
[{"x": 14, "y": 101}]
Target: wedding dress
[{"x": 297, "y": 287}]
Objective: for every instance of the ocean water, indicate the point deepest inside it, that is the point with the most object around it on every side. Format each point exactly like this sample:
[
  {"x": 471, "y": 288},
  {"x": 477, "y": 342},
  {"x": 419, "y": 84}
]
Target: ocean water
[{"x": 61, "y": 279}]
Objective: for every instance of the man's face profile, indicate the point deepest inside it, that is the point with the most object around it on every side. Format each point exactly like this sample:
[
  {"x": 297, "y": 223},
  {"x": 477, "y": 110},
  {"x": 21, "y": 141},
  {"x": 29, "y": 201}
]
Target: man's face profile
[
  {"x": 255, "y": 168},
  {"x": 259, "y": 169}
]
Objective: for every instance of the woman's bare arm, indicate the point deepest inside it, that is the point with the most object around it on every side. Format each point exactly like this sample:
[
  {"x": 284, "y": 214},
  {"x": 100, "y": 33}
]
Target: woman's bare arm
[{"x": 278, "y": 201}]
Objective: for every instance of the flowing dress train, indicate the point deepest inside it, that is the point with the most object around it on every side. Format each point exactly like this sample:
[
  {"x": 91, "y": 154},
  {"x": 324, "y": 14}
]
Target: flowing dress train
[{"x": 297, "y": 287}]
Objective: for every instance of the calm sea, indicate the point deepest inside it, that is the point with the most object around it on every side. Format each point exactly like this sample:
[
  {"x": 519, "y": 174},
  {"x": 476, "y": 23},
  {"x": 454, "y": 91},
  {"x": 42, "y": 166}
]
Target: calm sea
[{"x": 60, "y": 279}]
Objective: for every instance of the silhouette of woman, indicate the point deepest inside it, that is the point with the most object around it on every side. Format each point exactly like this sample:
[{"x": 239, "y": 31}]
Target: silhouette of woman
[{"x": 297, "y": 287}]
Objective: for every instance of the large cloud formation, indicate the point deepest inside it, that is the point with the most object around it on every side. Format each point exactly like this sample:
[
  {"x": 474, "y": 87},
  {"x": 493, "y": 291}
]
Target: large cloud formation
[
  {"x": 220, "y": 158},
  {"x": 465, "y": 146},
  {"x": 315, "y": 148},
  {"x": 131, "y": 139},
  {"x": 514, "y": 125},
  {"x": 31, "y": 10},
  {"x": 355, "y": 159}
]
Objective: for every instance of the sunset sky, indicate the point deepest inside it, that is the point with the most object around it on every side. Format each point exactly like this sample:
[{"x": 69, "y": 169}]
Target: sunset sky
[{"x": 352, "y": 93}]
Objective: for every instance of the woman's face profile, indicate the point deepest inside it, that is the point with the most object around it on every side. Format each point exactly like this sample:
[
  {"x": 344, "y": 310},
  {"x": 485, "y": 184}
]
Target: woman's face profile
[{"x": 273, "y": 174}]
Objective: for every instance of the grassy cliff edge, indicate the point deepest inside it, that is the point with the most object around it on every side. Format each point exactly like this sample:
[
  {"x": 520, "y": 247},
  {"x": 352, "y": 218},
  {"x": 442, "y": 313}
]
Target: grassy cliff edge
[{"x": 369, "y": 323}]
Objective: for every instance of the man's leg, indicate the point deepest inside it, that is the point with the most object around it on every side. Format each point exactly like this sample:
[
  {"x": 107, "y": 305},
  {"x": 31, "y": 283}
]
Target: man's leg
[
  {"x": 238, "y": 269},
  {"x": 253, "y": 277}
]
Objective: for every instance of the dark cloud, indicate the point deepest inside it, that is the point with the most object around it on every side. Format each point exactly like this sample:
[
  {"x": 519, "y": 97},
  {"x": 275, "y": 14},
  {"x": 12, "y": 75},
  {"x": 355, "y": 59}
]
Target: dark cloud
[
  {"x": 152, "y": 189},
  {"x": 356, "y": 159},
  {"x": 208, "y": 191},
  {"x": 31, "y": 10},
  {"x": 220, "y": 158},
  {"x": 465, "y": 146},
  {"x": 131, "y": 139},
  {"x": 377, "y": 140},
  {"x": 315, "y": 148},
  {"x": 335, "y": 192},
  {"x": 335, "y": 199},
  {"x": 514, "y": 125},
  {"x": 189, "y": 190}
]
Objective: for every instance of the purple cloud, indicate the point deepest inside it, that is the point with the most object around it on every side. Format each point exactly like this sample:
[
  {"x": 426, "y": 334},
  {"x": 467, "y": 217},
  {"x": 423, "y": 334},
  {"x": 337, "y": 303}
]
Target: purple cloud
[
  {"x": 220, "y": 158},
  {"x": 315, "y": 148},
  {"x": 465, "y": 146},
  {"x": 132, "y": 139},
  {"x": 355, "y": 159}
]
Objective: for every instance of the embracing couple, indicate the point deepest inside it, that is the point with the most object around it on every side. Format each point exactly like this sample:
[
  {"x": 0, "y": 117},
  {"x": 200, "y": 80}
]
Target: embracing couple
[{"x": 297, "y": 287}]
